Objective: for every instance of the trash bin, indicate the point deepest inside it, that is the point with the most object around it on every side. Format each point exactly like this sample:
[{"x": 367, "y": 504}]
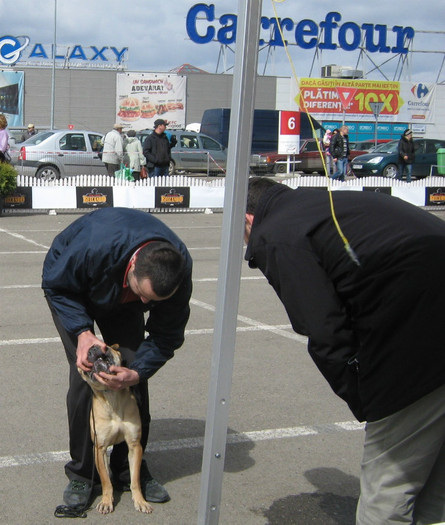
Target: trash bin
[{"x": 441, "y": 161}]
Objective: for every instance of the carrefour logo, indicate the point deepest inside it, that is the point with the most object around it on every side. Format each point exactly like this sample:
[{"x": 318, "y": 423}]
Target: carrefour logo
[
  {"x": 11, "y": 48},
  {"x": 420, "y": 90}
]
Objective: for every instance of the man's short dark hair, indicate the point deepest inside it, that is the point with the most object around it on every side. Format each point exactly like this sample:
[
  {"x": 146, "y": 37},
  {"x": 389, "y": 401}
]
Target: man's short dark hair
[
  {"x": 163, "y": 264},
  {"x": 257, "y": 187}
]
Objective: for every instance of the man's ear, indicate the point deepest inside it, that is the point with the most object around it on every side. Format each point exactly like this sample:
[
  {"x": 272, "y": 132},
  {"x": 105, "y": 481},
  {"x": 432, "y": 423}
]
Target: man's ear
[{"x": 249, "y": 218}]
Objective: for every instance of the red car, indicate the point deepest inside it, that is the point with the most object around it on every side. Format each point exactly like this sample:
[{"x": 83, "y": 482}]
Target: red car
[{"x": 307, "y": 160}]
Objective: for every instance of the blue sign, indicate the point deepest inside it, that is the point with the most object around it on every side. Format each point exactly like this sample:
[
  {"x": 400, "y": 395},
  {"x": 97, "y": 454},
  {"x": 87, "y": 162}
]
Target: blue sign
[
  {"x": 18, "y": 49},
  {"x": 306, "y": 33}
]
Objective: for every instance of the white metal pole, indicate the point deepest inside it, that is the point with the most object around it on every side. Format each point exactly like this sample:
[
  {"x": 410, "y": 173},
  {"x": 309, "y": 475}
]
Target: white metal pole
[
  {"x": 53, "y": 79},
  {"x": 238, "y": 156}
]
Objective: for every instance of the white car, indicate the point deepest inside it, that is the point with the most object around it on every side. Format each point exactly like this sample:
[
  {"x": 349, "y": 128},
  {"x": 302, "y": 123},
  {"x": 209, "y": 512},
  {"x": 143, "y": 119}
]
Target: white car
[{"x": 55, "y": 154}]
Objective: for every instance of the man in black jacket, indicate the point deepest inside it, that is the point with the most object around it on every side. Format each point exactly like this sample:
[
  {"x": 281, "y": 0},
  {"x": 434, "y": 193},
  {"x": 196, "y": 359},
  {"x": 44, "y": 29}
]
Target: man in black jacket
[
  {"x": 339, "y": 150},
  {"x": 373, "y": 318},
  {"x": 107, "y": 269},
  {"x": 157, "y": 150},
  {"x": 406, "y": 155}
]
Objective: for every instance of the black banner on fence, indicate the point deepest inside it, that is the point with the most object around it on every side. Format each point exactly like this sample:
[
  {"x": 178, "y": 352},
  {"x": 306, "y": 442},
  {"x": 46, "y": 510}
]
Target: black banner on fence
[
  {"x": 94, "y": 197},
  {"x": 172, "y": 197},
  {"x": 435, "y": 197},
  {"x": 378, "y": 189},
  {"x": 21, "y": 198}
]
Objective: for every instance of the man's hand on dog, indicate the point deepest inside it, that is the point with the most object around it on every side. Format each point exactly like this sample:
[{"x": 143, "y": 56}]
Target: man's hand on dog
[
  {"x": 85, "y": 341},
  {"x": 119, "y": 378}
]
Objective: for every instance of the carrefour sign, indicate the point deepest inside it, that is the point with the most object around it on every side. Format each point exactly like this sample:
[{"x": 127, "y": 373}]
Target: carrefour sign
[
  {"x": 15, "y": 49},
  {"x": 203, "y": 26}
]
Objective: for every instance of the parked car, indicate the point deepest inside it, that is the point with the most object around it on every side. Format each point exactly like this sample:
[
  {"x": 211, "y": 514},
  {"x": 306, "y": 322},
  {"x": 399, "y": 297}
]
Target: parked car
[
  {"x": 366, "y": 145},
  {"x": 308, "y": 160},
  {"x": 384, "y": 159},
  {"x": 56, "y": 154},
  {"x": 194, "y": 152}
]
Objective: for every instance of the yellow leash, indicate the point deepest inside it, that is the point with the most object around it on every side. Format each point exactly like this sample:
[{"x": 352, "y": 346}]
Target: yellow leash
[{"x": 347, "y": 246}]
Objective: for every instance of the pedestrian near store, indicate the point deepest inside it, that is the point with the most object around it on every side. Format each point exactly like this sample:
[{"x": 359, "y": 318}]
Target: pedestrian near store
[
  {"x": 157, "y": 150},
  {"x": 113, "y": 150},
  {"x": 4, "y": 140},
  {"x": 327, "y": 155},
  {"x": 339, "y": 150},
  {"x": 407, "y": 155},
  {"x": 372, "y": 324},
  {"x": 134, "y": 157},
  {"x": 30, "y": 132}
]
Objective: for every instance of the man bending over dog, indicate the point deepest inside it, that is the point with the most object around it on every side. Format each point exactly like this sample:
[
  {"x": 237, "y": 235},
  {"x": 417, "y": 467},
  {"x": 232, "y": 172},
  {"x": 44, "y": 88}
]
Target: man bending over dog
[{"x": 107, "y": 269}]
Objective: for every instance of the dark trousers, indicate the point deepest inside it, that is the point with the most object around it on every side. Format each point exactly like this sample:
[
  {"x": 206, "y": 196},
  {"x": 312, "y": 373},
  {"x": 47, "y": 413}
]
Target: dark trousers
[
  {"x": 125, "y": 328},
  {"x": 111, "y": 168}
]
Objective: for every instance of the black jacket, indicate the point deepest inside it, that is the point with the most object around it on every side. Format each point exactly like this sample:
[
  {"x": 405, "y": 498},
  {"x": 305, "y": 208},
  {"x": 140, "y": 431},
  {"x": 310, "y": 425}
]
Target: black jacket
[
  {"x": 156, "y": 150},
  {"x": 337, "y": 146},
  {"x": 84, "y": 270},
  {"x": 406, "y": 148},
  {"x": 375, "y": 331}
]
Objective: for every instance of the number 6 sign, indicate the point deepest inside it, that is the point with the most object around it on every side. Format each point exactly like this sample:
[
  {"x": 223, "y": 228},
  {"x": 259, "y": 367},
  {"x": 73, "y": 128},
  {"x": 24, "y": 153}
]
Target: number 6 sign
[{"x": 289, "y": 133}]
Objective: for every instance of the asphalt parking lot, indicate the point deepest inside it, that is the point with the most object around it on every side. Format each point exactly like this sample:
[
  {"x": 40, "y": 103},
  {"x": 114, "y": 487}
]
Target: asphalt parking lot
[{"x": 295, "y": 453}]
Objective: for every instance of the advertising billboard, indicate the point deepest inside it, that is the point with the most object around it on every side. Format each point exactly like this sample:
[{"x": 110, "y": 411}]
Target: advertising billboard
[
  {"x": 329, "y": 98},
  {"x": 11, "y": 96},
  {"x": 144, "y": 97}
]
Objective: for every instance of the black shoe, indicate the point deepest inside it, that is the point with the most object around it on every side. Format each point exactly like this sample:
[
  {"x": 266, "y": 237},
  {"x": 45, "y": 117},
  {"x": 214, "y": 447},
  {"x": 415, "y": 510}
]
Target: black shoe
[
  {"x": 151, "y": 489},
  {"x": 77, "y": 493},
  {"x": 154, "y": 491}
]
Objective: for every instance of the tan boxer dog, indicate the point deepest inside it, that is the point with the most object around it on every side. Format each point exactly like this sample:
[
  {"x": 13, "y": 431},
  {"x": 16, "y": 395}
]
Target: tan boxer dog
[{"x": 114, "y": 418}]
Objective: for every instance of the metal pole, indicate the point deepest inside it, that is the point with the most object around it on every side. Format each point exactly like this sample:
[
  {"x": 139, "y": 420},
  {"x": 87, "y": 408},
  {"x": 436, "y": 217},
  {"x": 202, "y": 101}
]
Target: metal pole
[
  {"x": 53, "y": 79},
  {"x": 240, "y": 138},
  {"x": 375, "y": 130}
]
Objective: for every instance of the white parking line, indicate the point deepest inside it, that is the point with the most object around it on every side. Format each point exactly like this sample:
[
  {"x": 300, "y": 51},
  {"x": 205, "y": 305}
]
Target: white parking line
[
  {"x": 23, "y": 238},
  {"x": 203, "y": 280},
  {"x": 198, "y": 442},
  {"x": 256, "y": 324}
]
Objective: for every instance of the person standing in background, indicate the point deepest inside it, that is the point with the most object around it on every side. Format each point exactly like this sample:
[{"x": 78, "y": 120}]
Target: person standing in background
[
  {"x": 31, "y": 131},
  {"x": 327, "y": 155},
  {"x": 406, "y": 155},
  {"x": 339, "y": 150},
  {"x": 4, "y": 139},
  {"x": 113, "y": 151},
  {"x": 157, "y": 150},
  {"x": 134, "y": 156}
]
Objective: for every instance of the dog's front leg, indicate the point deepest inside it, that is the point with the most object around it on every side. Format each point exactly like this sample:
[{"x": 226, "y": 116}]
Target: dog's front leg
[
  {"x": 135, "y": 460},
  {"x": 105, "y": 506}
]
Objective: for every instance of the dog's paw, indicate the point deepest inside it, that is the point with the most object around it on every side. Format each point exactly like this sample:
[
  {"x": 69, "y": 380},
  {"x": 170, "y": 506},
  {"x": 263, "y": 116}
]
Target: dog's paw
[
  {"x": 142, "y": 506},
  {"x": 105, "y": 506}
]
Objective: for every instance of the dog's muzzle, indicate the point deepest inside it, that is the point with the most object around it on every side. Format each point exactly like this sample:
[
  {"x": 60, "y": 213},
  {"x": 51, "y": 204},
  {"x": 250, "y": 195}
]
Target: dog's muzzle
[{"x": 101, "y": 361}]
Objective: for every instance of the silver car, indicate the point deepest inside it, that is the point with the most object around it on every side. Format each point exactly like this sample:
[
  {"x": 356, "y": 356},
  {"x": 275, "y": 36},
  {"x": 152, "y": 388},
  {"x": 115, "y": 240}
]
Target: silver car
[
  {"x": 194, "y": 152},
  {"x": 51, "y": 155}
]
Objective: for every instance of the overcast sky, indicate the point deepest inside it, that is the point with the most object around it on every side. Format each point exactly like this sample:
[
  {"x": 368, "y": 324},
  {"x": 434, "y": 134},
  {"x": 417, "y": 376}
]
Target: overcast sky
[{"x": 155, "y": 32}]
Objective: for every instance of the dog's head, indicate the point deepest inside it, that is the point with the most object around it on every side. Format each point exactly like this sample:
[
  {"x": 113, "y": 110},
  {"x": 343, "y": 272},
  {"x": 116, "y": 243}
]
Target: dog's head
[{"x": 101, "y": 363}]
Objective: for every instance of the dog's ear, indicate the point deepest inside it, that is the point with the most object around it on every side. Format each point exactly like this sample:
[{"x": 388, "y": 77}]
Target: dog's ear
[{"x": 115, "y": 347}]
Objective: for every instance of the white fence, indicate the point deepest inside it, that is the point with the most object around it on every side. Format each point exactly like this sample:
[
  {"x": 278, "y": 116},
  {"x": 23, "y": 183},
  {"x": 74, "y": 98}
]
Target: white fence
[{"x": 182, "y": 193}]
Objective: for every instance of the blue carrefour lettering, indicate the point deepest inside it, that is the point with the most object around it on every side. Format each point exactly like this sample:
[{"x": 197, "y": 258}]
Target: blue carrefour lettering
[
  {"x": 227, "y": 34},
  {"x": 352, "y": 31},
  {"x": 308, "y": 34},
  {"x": 192, "y": 16},
  {"x": 304, "y": 29}
]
